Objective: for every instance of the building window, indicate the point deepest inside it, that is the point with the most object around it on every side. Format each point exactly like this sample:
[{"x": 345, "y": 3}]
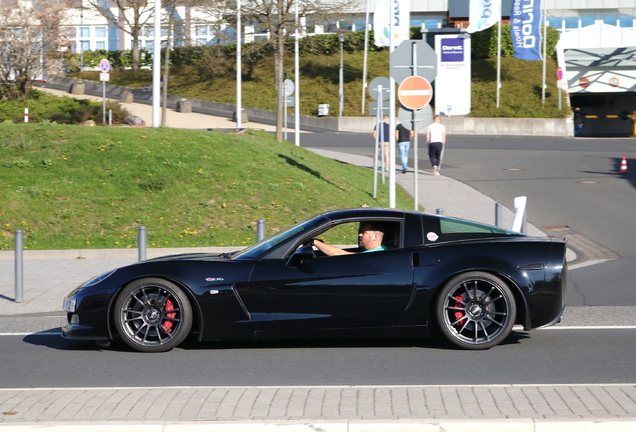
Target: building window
[
  {"x": 556, "y": 22},
  {"x": 587, "y": 20},
  {"x": 432, "y": 23},
  {"x": 85, "y": 45},
  {"x": 85, "y": 32},
  {"x": 100, "y": 32},
  {"x": 571, "y": 22},
  {"x": 626, "y": 21},
  {"x": 609, "y": 19},
  {"x": 100, "y": 45}
]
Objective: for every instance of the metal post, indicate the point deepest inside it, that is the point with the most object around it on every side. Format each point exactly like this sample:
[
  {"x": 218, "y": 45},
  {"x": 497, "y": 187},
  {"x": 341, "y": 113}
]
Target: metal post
[
  {"x": 340, "y": 88},
  {"x": 141, "y": 243},
  {"x": 104, "y": 103},
  {"x": 439, "y": 211},
  {"x": 498, "y": 221},
  {"x": 260, "y": 229},
  {"x": 19, "y": 271}
]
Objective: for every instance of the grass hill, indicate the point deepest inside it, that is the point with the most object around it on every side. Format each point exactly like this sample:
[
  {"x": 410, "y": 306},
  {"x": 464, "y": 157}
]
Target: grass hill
[
  {"x": 319, "y": 82},
  {"x": 80, "y": 187}
]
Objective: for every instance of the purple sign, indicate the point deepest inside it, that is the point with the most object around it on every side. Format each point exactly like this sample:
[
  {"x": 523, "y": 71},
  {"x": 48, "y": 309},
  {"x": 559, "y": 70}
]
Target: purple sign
[
  {"x": 525, "y": 29},
  {"x": 452, "y": 50}
]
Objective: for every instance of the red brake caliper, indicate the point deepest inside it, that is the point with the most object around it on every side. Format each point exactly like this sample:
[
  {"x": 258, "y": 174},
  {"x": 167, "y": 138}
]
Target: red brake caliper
[
  {"x": 459, "y": 315},
  {"x": 168, "y": 324}
]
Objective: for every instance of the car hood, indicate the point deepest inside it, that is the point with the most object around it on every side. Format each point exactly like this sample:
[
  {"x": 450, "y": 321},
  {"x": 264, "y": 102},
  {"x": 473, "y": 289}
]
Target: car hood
[{"x": 194, "y": 257}]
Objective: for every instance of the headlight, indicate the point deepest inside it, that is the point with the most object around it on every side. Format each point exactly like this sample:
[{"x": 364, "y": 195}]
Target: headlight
[{"x": 99, "y": 278}]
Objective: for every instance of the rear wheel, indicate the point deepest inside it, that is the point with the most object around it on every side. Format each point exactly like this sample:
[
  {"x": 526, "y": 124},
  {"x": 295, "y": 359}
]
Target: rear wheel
[
  {"x": 152, "y": 315},
  {"x": 476, "y": 310}
]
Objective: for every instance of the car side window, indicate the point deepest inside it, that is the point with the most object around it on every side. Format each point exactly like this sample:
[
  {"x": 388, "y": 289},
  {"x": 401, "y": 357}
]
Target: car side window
[{"x": 345, "y": 235}]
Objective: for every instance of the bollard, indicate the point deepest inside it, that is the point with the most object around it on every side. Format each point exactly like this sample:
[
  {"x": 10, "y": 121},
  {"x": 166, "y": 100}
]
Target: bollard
[
  {"x": 439, "y": 211},
  {"x": 141, "y": 243},
  {"x": 110, "y": 117},
  {"x": 19, "y": 288},
  {"x": 26, "y": 115},
  {"x": 498, "y": 221},
  {"x": 260, "y": 229}
]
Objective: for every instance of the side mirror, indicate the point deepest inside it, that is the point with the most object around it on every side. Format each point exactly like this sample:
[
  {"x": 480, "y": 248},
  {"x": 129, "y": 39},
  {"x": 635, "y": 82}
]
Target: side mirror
[{"x": 301, "y": 254}]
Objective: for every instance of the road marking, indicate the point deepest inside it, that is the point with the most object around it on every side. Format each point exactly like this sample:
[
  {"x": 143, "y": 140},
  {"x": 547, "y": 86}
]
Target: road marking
[
  {"x": 557, "y": 327},
  {"x": 345, "y": 386}
]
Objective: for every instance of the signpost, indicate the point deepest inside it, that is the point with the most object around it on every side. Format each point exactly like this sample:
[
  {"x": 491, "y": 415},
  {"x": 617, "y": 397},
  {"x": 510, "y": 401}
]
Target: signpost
[
  {"x": 288, "y": 90},
  {"x": 104, "y": 65},
  {"x": 559, "y": 74},
  {"x": 379, "y": 91}
]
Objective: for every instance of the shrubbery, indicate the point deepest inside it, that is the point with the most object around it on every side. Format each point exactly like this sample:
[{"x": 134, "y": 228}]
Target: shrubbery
[
  {"x": 44, "y": 107},
  {"x": 484, "y": 43}
]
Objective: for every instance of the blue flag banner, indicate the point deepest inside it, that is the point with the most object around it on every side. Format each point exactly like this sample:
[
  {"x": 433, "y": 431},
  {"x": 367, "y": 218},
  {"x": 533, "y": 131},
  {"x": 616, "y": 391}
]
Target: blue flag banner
[{"x": 525, "y": 29}]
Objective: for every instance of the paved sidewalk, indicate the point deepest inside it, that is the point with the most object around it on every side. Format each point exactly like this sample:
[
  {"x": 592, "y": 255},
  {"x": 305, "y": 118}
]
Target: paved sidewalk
[{"x": 50, "y": 275}]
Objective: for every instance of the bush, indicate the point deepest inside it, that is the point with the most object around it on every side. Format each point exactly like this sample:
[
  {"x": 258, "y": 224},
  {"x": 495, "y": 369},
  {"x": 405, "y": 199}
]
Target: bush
[
  {"x": 44, "y": 107},
  {"x": 117, "y": 59},
  {"x": 484, "y": 43}
]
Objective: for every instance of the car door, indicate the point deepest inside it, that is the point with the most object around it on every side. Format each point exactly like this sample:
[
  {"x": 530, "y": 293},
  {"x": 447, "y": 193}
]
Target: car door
[{"x": 359, "y": 290}]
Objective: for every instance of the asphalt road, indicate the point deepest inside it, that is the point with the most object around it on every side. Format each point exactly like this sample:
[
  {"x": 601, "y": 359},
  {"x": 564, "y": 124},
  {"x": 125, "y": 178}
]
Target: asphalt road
[{"x": 566, "y": 356}]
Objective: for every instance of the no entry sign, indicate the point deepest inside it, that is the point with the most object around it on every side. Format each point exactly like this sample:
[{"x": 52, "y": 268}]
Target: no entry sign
[{"x": 415, "y": 92}]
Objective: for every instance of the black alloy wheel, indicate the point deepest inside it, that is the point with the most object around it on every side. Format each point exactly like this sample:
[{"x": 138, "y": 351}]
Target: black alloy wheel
[
  {"x": 152, "y": 315},
  {"x": 476, "y": 310}
]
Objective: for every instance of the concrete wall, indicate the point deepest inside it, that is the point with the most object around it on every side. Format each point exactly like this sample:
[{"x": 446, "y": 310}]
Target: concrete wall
[{"x": 454, "y": 125}]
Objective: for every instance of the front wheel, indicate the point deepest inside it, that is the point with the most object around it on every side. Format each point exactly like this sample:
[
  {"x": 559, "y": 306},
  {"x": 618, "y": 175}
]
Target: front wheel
[
  {"x": 476, "y": 310},
  {"x": 152, "y": 315}
]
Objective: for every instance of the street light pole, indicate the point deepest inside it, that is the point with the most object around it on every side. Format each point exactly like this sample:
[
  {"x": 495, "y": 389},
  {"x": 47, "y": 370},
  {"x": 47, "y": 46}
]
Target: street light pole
[
  {"x": 239, "y": 78},
  {"x": 341, "y": 90}
]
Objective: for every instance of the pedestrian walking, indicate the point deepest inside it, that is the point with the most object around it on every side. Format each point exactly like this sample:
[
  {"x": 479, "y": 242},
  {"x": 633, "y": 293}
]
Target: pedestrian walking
[
  {"x": 436, "y": 139},
  {"x": 403, "y": 137},
  {"x": 383, "y": 139},
  {"x": 579, "y": 118}
]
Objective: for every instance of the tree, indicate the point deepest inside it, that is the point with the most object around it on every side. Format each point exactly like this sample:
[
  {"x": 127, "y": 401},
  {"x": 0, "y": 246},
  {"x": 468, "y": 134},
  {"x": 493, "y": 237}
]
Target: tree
[
  {"x": 130, "y": 16},
  {"x": 277, "y": 18},
  {"x": 31, "y": 43}
]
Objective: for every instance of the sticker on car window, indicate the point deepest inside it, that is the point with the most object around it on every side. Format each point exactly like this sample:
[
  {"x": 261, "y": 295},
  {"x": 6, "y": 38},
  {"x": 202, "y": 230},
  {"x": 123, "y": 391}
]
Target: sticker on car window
[{"x": 432, "y": 236}]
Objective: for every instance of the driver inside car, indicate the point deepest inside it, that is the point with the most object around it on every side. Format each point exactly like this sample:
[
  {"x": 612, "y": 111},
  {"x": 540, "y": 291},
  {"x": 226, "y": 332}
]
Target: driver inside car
[{"x": 370, "y": 236}]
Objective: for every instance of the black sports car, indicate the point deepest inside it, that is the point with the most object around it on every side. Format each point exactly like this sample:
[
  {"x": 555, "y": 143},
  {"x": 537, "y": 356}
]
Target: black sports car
[{"x": 470, "y": 281}]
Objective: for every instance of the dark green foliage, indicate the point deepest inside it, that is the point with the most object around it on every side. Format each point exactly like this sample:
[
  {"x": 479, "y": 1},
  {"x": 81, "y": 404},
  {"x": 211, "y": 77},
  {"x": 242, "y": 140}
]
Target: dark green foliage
[
  {"x": 67, "y": 110},
  {"x": 484, "y": 43},
  {"x": 117, "y": 59}
]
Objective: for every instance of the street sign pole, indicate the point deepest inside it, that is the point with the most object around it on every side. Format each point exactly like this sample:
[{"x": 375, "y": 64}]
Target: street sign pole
[
  {"x": 391, "y": 119},
  {"x": 104, "y": 65},
  {"x": 415, "y": 135},
  {"x": 378, "y": 117}
]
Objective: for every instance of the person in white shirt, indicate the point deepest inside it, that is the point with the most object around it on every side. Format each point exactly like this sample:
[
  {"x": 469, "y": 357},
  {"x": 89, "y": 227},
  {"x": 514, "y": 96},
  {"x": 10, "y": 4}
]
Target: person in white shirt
[{"x": 436, "y": 139}]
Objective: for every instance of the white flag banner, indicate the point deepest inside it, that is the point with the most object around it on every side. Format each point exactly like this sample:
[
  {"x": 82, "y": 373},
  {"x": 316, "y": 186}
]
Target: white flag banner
[
  {"x": 483, "y": 14},
  {"x": 384, "y": 9}
]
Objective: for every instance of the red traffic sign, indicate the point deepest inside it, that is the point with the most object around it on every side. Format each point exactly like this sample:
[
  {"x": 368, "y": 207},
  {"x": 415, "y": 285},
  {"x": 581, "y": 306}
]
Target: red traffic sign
[
  {"x": 415, "y": 92},
  {"x": 104, "y": 65},
  {"x": 559, "y": 73}
]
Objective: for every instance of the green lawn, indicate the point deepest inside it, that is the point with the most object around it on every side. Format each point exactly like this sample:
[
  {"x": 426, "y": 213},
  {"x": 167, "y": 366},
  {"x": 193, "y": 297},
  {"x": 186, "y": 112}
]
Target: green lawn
[{"x": 92, "y": 187}]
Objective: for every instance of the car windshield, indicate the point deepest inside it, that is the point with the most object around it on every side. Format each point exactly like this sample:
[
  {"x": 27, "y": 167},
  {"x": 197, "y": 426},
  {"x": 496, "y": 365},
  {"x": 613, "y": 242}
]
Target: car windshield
[{"x": 257, "y": 249}]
